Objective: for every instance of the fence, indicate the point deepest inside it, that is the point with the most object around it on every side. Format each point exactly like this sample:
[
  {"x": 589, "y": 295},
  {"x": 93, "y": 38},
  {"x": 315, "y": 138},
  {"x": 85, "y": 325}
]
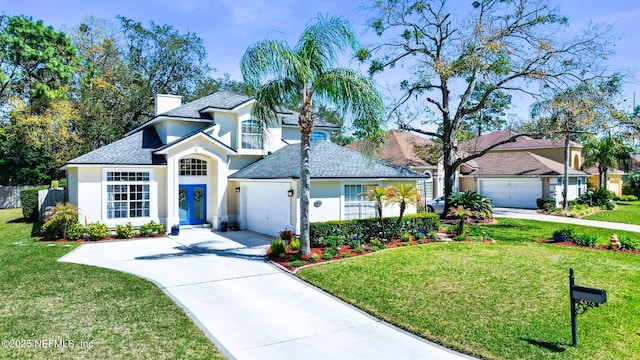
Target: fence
[
  {"x": 10, "y": 196},
  {"x": 48, "y": 198}
]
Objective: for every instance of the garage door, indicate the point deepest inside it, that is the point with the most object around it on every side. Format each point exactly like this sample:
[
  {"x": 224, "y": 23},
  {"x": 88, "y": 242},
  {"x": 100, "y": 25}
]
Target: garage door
[
  {"x": 267, "y": 208},
  {"x": 516, "y": 193}
]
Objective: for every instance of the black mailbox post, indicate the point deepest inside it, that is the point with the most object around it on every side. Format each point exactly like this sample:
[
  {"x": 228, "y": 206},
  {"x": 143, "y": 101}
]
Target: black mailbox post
[{"x": 582, "y": 299}]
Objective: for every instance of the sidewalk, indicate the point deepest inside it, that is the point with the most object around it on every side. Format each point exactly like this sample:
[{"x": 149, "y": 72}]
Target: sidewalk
[
  {"x": 533, "y": 215},
  {"x": 249, "y": 308}
]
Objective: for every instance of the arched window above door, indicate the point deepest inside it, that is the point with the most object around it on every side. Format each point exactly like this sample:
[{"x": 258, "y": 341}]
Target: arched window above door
[{"x": 193, "y": 167}]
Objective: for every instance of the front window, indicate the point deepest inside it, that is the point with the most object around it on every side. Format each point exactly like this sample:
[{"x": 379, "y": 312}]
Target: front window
[
  {"x": 356, "y": 205},
  {"x": 317, "y": 135},
  {"x": 127, "y": 194},
  {"x": 252, "y": 134}
]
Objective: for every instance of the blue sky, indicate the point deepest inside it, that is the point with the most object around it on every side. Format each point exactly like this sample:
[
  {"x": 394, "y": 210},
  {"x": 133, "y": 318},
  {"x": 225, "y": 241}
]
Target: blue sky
[{"x": 228, "y": 27}]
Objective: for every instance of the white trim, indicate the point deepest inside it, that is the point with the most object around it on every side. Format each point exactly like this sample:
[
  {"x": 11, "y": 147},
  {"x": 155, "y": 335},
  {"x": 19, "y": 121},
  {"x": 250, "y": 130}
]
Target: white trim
[
  {"x": 211, "y": 140},
  {"x": 153, "y": 200}
]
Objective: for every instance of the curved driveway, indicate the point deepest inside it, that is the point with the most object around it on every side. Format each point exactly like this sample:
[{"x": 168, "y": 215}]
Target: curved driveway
[
  {"x": 533, "y": 215},
  {"x": 249, "y": 308}
]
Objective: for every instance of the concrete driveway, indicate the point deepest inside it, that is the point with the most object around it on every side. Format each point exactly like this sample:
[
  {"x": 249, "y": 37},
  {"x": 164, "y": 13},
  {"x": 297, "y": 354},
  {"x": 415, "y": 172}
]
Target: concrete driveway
[
  {"x": 534, "y": 215},
  {"x": 249, "y": 308}
]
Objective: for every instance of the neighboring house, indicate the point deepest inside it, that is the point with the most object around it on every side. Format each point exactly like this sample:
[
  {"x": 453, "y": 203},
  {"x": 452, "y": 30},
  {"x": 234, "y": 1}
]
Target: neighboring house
[
  {"x": 176, "y": 169},
  {"x": 405, "y": 149},
  {"x": 515, "y": 174},
  {"x": 615, "y": 179}
]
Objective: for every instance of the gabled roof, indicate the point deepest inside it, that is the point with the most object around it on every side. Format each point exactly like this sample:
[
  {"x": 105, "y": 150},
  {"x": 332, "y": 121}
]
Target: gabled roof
[
  {"x": 518, "y": 164},
  {"x": 634, "y": 164},
  {"x": 135, "y": 149},
  {"x": 328, "y": 161},
  {"x": 522, "y": 143},
  {"x": 203, "y": 132},
  {"x": 399, "y": 148},
  {"x": 228, "y": 100}
]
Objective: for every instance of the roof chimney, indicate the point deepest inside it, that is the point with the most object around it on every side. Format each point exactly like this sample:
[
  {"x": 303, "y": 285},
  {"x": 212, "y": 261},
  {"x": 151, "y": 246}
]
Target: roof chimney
[{"x": 166, "y": 102}]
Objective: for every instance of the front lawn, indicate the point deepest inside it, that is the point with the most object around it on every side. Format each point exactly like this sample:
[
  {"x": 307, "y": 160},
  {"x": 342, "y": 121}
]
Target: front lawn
[
  {"x": 45, "y": 303},
  {"x": 625, "y": 212},
  {"x": 506, "y": 300}
]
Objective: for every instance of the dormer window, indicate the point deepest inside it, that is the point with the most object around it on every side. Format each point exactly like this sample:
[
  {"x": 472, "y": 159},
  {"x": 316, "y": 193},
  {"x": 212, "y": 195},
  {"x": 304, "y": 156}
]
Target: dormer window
[
  {"x": 252, "y": 134},
  {"x": 318, "y": 135}
]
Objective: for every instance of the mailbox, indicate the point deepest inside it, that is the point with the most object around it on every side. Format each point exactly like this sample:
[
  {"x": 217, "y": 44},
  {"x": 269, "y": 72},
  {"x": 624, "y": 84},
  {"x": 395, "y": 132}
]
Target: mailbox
[{"x": 582, "y": 293}]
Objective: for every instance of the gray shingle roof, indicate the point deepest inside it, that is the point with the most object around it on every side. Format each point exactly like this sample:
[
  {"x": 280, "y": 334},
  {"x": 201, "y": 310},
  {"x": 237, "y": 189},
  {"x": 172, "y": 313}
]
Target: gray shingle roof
[
  {"x": 328, "y": 160},
  {"x": 135, "y": 149},
  {"x": 227, "y": 100}
]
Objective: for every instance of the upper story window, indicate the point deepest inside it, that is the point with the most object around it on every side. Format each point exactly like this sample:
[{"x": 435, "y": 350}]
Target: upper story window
[
  {"x": 252, "y": 134},
  {"x": 193, "y": 167},
  {"x": 317, "y": 135}
]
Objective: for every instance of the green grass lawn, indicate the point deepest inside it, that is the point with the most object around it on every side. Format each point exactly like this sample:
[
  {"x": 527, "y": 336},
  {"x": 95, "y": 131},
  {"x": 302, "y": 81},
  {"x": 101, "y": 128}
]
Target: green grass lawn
[
  {"x": 503, "y": 300},
  {"x": 122, "y": 316},
  {"x": 625, "y": 212}
]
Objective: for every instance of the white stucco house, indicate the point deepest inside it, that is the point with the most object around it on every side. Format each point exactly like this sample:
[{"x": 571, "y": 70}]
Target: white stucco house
[{"x": 209, "y": 161}]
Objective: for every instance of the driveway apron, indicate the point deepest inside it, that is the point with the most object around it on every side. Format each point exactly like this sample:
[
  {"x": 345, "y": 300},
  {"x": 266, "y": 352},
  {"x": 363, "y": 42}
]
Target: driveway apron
[{"x": 249, "y": 308}]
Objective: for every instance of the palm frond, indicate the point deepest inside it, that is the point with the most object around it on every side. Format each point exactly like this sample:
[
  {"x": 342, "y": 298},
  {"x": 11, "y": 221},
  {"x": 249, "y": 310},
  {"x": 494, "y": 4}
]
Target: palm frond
[
  {"x": 267, "y": 60},
  {"x": 321, "y": 42}
]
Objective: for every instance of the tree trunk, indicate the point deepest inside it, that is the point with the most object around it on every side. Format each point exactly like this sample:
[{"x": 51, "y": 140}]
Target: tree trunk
[
  {"x": 305, "y": 188},
  {"x": 565, "y": 185},
  {"x": 449, "y": 155}
]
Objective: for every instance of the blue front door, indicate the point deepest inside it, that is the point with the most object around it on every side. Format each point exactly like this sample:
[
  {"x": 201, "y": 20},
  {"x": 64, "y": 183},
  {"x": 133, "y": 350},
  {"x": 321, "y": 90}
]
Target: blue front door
[{"x": 193, "y": 204}]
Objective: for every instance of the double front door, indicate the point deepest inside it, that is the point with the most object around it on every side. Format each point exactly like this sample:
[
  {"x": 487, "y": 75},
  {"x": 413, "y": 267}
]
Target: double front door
[{"x": 193, "y": 205}]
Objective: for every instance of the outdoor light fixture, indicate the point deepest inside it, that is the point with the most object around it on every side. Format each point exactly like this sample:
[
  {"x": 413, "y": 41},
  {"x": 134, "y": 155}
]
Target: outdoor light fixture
[
  {"x": 290, "y": 192},
  {"x": 238, "y": 189}
]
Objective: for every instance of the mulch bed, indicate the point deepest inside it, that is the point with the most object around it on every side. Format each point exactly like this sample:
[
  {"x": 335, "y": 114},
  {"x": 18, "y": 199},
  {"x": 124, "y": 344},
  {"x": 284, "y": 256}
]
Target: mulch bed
[{"x": 599, "y": 247}]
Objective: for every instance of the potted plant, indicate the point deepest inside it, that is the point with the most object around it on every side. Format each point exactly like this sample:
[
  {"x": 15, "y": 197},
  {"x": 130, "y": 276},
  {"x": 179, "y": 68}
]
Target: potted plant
[
  {"x": 560, "y": 234},
  {"x": 175, "y": 229}
]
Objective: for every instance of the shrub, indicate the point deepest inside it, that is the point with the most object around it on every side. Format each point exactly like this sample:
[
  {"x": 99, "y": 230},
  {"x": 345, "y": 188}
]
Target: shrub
[
  {"x": 329, "y": 253},
  {"x": 295, "y": 244},
  {"x": 75, "y": 231},
  {"x": 375, "y": 248},
  {"x": 357, "y": 250},
  {"x": 546, "y": 203},
  {"x": 345, "y": 255},
  {"x": 629, "y": 243},
  {"x": 313, "y": 258},
  {"x": 419, "y": 237},
  {"x": 151, "y": 228},
  {"x": 57, "y": 219},
  {"x": 286, "y": 235},
  {"x": 375, "y": 242},
  {"x": 278, "y": 248},
  {"x": 569, "y": 232},
  {"x": 406, "y": 237},
  {"x": 52, "y": 229},
  {"x": 333, "y": 241},
  {"x": 480, "y": 206},
  {"x": 460, "y": 238},
  {"x": 97, "y": 231},
  {"x": 354, "y": 242},
  {"x": 29, "y": 201},
  {"x": 370, "y": 228},
  {"x": 600, "y": 197},
  {"x": 585, "y": 240},
  {"x": 125, "y": 231},
  {"x": 296, "y": 263},
  {"x": 628, "y": 198}
]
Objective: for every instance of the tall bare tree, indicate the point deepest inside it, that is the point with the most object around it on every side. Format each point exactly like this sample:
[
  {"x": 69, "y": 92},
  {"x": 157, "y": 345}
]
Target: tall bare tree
[{"x": 509, "y": 45}]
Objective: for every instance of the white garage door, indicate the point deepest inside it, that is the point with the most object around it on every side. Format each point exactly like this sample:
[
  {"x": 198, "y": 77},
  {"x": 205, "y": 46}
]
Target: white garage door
[
  {"x": 516, "y": 193},
  {"x": 267, "y": 208}
]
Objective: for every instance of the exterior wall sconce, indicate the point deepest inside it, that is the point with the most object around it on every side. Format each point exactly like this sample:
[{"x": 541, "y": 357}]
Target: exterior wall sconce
[
  {"x": 290, "y": 193},
  {"x": 238, "y": 189}
]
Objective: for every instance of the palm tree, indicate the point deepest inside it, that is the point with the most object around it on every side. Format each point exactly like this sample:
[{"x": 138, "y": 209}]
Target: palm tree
[
  {"x": 403, "y": 195},
  {"x": 286, "y": 76},
  {"x": 66, "y": 213},
  {"x": 607, "y": 152},
  {"x": 381, "y": 196}
]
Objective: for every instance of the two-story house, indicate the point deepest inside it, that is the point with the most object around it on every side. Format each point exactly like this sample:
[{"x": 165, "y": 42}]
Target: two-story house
[{"x": 210, "y": 161}]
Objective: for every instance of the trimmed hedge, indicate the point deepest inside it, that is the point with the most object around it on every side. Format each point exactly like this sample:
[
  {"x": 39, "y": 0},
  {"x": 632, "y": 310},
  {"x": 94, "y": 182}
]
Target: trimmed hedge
[
  {"x": 548, "y": 204},
  {"x": 29, "y": 199},
  {"x": 370, "y": 228}
]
